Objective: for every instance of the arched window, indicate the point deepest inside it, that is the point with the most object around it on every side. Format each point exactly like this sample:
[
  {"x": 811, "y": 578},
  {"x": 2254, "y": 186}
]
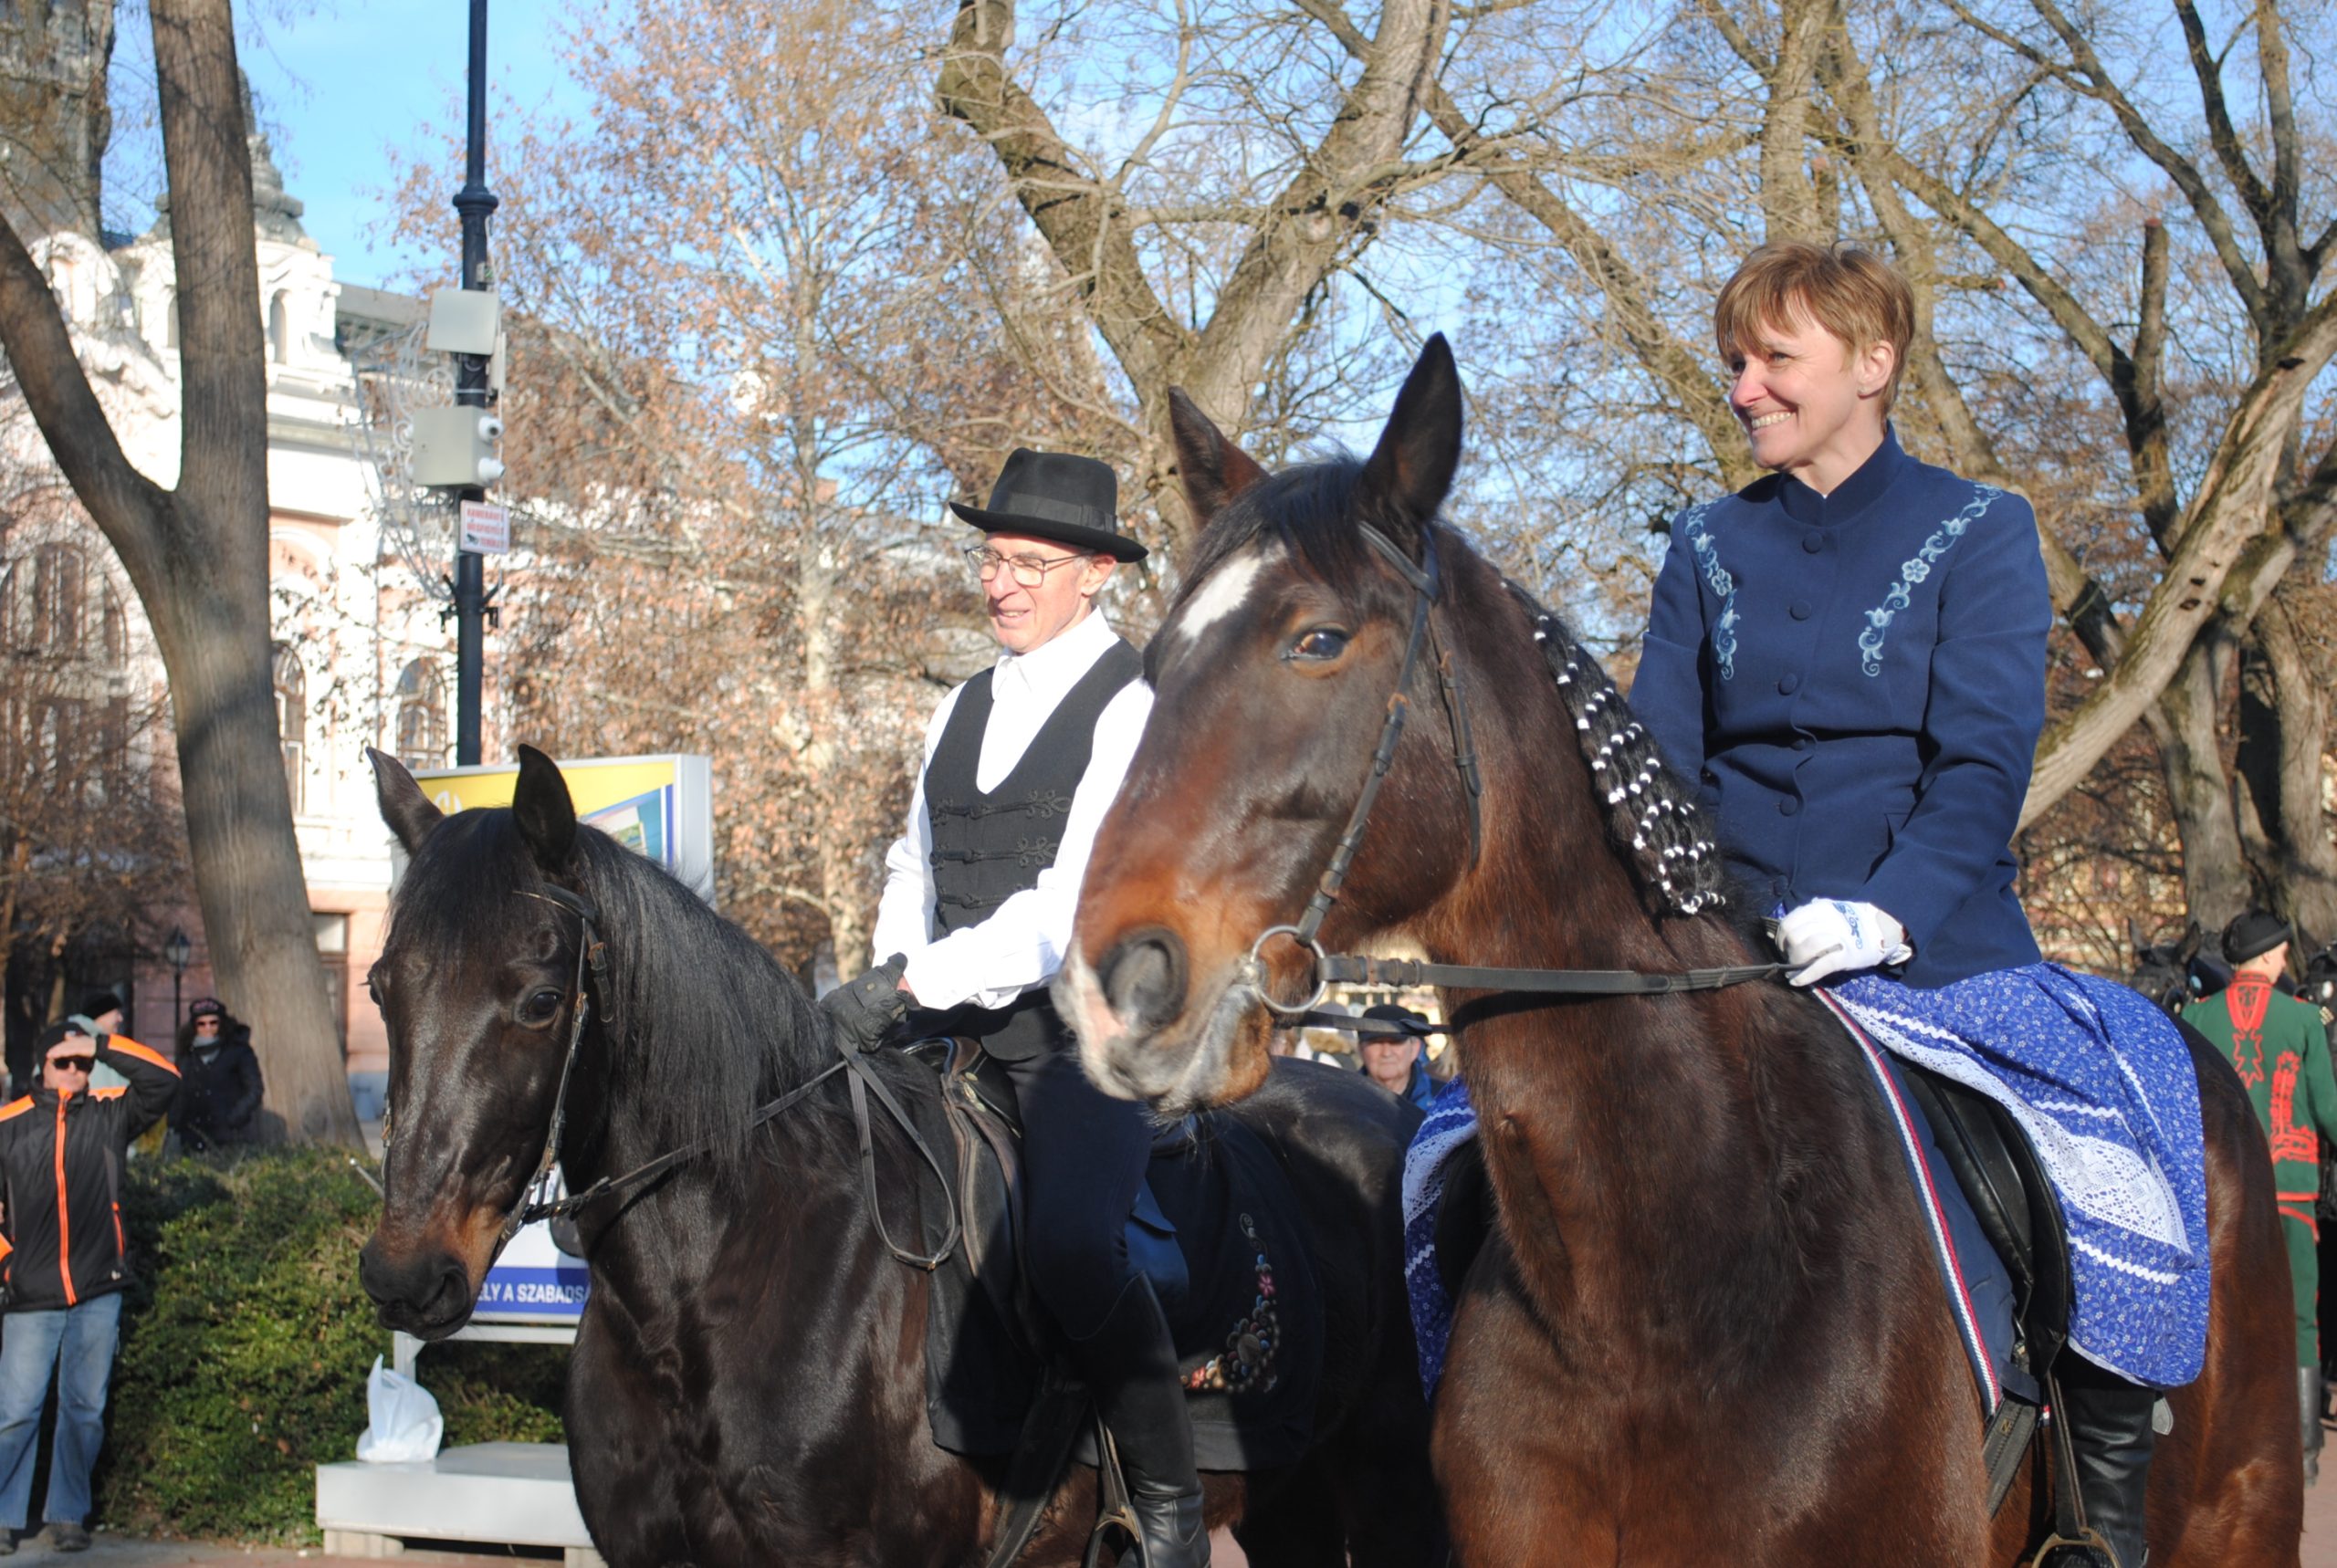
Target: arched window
[
  {"x": 280, "y": 330},
  {"x": 421, "y": 715},
  {"x": 292, "y": 720}
]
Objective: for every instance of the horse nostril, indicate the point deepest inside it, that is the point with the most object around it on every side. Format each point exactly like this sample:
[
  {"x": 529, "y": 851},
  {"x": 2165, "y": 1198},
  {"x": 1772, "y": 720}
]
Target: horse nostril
[{"x": 1144, "y": 979}]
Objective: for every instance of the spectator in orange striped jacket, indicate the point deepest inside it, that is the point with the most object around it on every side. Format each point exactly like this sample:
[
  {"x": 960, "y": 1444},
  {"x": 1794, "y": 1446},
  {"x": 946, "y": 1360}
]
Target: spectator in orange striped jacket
[{"x": 64, "y": 1261}]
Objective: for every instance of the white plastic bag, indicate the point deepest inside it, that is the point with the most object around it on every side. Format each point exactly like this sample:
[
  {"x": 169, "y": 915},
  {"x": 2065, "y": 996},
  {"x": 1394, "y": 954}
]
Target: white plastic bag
[{"x": 405, "y": 1423}]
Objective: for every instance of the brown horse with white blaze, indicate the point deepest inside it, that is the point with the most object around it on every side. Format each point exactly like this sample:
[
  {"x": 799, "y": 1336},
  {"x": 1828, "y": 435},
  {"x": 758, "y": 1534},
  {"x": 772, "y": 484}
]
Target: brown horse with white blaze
[{"x": 1707, "y": 1327}]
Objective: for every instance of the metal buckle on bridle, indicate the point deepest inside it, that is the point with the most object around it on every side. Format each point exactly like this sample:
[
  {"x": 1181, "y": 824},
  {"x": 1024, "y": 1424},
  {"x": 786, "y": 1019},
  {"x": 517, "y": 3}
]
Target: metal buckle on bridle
[{"x": 1254, "y": 971}]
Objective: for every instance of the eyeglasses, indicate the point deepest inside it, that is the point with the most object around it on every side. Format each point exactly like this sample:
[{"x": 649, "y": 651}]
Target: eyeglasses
[
  {"x": 1030, "y": 570},
  {"x": 206, "y": 1023},
  {"x": 72, "y": 1063}
]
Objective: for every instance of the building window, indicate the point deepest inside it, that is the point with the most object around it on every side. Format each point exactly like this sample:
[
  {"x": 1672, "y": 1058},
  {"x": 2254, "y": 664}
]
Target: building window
[
  {"x": 421, "y": 715},
  {"x": 60, "y": 598},
  {"x": 292, "y": 721},
  {"x": 114, "y": 629},
  {"x": 333, "y": 957},
  {"x": 279, "y": 330}
]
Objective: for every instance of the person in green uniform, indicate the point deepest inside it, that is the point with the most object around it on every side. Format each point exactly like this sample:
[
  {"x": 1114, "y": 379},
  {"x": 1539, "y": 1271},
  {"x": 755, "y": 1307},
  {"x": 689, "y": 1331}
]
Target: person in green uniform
[{"x": 2280, "y": 1048}]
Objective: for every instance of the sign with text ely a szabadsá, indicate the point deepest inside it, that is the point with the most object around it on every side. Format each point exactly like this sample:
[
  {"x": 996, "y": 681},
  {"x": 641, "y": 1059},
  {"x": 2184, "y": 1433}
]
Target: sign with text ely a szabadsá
[{"x": 661, "y": 807}]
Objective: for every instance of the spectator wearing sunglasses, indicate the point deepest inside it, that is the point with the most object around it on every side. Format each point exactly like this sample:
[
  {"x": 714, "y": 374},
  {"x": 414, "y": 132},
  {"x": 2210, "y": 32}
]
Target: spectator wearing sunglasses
[
  {"x": 220, "y": 1093},
  {"x": 64, "y": 1261}
]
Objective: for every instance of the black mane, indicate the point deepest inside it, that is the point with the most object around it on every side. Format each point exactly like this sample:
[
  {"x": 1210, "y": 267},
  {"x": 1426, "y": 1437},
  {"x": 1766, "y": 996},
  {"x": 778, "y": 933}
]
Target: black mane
[{"x": 703, "y": 1025}]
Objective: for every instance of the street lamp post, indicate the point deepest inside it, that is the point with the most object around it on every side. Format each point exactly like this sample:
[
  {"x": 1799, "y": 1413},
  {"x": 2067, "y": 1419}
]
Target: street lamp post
[
  {"x": 176, "y": 951},
  {"x": 475, "y": 201}
]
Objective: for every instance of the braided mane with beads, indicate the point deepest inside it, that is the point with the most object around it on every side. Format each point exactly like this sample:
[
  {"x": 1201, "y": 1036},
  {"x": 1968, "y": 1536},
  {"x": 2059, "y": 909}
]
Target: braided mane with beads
[{"x": 1654, "y": 818}]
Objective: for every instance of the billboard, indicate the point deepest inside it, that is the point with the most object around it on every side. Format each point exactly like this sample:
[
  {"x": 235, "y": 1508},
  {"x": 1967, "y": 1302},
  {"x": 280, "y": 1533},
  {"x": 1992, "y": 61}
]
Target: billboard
[{"x": 660, "y": 807}]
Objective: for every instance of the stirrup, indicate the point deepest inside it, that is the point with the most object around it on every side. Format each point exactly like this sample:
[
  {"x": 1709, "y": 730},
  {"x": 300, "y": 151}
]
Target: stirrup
[
  {"x": 1114, "y": 1509},
  {"x": 2087, "y": 1538}
]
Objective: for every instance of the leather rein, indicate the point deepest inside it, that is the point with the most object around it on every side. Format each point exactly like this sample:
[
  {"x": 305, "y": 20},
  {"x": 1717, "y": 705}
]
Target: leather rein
[
  {"x": 591, "y": 955},
  {"x": 1426, "y": 578}
]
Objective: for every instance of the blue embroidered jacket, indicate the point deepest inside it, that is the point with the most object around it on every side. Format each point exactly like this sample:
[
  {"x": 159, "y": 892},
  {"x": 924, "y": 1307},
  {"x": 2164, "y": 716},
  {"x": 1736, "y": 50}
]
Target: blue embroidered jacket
[{"x": 1858, "y": 681}]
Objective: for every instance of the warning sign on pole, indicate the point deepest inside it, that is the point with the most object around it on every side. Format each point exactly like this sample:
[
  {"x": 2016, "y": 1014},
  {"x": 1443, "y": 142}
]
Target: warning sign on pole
[{"x": 487, "y": 528}]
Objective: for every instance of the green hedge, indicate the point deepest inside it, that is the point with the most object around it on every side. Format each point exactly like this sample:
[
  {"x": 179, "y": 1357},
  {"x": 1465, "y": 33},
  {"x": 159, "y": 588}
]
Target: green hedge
[{"x": 244, "y": 1345}]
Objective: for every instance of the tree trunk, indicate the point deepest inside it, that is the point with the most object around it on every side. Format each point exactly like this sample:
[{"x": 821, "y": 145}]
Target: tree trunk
[
  {"x": 2283, "y": 735},
  {"x": 198, "y": 557},
  {"x": 2215, "y": 869}
]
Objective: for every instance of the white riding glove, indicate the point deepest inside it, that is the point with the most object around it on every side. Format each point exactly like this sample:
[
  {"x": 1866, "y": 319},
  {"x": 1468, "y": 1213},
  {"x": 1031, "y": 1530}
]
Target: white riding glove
[{"x": 1833, "y": 936}]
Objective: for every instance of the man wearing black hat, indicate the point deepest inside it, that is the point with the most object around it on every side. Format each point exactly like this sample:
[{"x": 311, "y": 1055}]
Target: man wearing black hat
[
  {"x": 1021, "y": 763},
  {"x": 2280, "y": 1050}
]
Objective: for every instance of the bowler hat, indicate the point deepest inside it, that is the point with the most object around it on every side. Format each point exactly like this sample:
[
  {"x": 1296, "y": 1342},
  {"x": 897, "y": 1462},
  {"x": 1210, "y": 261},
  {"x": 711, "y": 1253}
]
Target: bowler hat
[
  {"x": 2253, "y": 934},
  {"x": 1056, "y": 495}
]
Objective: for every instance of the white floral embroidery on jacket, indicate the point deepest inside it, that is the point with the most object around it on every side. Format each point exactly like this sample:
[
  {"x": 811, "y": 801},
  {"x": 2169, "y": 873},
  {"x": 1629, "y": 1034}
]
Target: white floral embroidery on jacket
[{"x": 1915, "y": 569}]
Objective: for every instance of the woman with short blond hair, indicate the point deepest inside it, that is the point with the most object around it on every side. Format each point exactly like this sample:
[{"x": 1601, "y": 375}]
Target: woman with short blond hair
[{"x": 1848, "y": 656}]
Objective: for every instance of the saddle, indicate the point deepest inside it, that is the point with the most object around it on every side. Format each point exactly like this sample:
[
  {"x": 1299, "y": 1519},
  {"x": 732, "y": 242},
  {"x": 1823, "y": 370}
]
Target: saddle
[
  {"x": 1996, "y": 1172},
  {"x": 1216, "y": 1230}
]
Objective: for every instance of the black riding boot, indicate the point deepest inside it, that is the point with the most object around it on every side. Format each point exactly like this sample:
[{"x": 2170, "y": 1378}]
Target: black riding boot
[
  {"x": 1131, "y": 1363},
  {"x": 2308, "y": 1411},
  {"x": 2110, "y": 1429}
]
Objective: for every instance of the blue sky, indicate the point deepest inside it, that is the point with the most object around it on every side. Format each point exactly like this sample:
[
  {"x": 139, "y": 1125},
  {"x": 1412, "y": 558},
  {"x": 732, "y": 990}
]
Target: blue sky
[{"x": 349, "y": 90}]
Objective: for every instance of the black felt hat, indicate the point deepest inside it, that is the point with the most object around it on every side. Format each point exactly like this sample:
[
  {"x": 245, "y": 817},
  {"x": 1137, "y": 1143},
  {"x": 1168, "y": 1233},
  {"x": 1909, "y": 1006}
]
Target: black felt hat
[
  {"x": 2253, "y": 934},
  {"x": 1056, "y": 495},
  {"x": 57, "y": 1034}
]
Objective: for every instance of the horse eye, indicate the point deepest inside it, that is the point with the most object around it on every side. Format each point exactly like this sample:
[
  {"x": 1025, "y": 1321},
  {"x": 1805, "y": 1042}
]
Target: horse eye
[
  {"x": 540, "y": 1007},
  {"x": 1322, "y": 642}
]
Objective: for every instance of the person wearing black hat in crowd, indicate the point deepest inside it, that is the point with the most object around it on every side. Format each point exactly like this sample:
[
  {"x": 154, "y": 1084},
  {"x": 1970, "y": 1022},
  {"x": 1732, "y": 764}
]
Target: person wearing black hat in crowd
[
  {"x": 2280, "y": 1048},
  {"x": 219, "y": 1100},
  {"x": 65, "y": 1262},
  {"x": 1021, "y": 763},
  {"x": 1397, "y": 1062}
]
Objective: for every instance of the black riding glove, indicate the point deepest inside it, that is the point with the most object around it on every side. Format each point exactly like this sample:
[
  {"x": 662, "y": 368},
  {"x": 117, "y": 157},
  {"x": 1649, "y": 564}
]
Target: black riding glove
[{"x": 864, "y": 1009}]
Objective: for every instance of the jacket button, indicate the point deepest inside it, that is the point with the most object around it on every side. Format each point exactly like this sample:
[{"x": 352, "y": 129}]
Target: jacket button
[
  {"x": 1787, "y": 806},
  {"x": 1789, "y": 682},
  {"x": 1802, "y": 743},
  {"x": 1799, "y": 610},
  {"x": 1813, "y": 541}
]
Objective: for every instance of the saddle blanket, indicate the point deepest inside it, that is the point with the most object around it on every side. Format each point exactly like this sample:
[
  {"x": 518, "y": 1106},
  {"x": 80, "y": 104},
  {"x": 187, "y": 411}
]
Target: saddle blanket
[
  {"x": 1979, "y": 1289},
  {"x": 2102, "y": 1084}
]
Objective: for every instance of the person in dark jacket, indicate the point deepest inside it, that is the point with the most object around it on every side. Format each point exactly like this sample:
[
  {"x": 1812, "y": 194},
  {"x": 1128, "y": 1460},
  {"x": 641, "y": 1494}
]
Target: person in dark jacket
[
  {"x": 220, "y": 1092},
  {"x": 1397, "y": 1063},
  {"x": 64, "y": 1261}
]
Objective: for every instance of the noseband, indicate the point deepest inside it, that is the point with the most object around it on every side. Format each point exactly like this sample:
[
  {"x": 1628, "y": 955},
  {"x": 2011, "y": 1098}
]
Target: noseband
[{"x": 1427, "y": 580}]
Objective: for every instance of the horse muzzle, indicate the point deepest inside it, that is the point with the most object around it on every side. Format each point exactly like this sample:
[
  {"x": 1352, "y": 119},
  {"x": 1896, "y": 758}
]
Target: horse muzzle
[
  {"x": 426, "y": 1291},
  {"x": 1145, "y": 1034}
]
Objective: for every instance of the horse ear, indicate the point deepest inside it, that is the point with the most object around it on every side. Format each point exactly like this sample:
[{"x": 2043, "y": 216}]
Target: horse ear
[
  {"x": 405, "y": 809},
  {"x": 1411, "y": 468},
  {"x": 547, "y": 817},
  {"x": 1214, "y": 469}
]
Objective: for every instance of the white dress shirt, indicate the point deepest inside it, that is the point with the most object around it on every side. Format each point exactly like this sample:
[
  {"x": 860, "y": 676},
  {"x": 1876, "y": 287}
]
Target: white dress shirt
[{"x": 1022, "y": 944}]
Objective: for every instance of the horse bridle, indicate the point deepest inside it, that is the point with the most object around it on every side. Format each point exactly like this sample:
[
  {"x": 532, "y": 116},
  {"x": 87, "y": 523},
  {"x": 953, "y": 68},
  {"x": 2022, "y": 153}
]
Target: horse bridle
[
  {"x": 591, "y": 956},
  {"x": 1426, "y": 578}
]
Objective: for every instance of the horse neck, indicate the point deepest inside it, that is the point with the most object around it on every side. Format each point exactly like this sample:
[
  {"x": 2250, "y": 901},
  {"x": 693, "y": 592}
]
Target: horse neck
[{"x": 1642, "y": 1184}]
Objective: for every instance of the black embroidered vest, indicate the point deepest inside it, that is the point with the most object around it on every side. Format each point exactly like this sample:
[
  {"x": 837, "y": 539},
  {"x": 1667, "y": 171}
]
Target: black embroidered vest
[{"x": 990, "y": 845}]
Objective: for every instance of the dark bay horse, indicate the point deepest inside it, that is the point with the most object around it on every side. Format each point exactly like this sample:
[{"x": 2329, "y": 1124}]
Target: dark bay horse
[
  {"x": 1706, "y": 1329},
  {"x": 749, "y": 1382}
]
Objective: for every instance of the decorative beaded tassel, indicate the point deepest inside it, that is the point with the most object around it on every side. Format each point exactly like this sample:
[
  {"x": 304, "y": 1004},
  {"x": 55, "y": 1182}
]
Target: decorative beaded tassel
[{"x": 1649, "y": 813}]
